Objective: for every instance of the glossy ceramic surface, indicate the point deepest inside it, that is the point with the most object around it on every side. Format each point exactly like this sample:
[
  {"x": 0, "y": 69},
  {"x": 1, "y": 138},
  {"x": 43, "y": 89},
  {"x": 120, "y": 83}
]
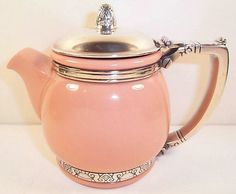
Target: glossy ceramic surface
[
  {"x": 98, "y": 127},
  {"x": 35, "y": 69},
  {"x": 106, "y": 127}
]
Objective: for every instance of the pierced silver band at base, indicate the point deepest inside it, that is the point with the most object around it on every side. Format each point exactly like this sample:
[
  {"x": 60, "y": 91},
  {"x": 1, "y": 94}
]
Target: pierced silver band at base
[
  {"x": 112, "y": 177},
  {"x": 108, "y": 76}
]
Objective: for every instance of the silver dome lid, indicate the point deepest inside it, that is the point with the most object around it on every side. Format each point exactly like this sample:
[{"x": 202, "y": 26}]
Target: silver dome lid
[{"x": 106, "y": 41}]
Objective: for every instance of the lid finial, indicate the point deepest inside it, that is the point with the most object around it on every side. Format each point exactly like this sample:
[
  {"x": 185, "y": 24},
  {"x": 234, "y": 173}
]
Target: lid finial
[{"x": 106, "y": 23}]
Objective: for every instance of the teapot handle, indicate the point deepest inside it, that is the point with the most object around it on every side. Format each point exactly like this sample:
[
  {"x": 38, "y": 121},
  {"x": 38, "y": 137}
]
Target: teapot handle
[{"x": 220, "y": 63}]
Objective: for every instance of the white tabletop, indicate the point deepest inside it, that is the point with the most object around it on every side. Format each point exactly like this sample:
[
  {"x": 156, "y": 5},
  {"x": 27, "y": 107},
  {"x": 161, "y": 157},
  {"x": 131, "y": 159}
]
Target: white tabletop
[{"x": 204, "y": 164}]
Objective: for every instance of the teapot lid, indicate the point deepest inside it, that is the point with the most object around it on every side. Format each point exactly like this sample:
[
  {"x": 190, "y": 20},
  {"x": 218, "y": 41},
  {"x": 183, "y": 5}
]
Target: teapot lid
[{"x": 106, "y": 41}]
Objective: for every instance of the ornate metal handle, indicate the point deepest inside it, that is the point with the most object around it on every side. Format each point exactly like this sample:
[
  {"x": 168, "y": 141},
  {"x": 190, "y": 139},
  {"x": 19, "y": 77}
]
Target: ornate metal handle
[{"x": 220, "y": 59}]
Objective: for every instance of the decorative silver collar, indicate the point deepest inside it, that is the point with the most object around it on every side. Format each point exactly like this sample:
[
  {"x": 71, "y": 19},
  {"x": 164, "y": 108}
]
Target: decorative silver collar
[{"x": 109, "y": 76}]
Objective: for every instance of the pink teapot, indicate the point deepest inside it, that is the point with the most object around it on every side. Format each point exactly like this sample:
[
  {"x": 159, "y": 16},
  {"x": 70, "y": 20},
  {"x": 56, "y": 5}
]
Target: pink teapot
[{"x": 103, "y": 100}]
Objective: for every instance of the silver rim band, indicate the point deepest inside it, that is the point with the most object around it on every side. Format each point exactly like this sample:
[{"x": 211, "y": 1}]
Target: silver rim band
[
  {"x": 113, "y": 177},
  {"x": 109, "y": 76}
]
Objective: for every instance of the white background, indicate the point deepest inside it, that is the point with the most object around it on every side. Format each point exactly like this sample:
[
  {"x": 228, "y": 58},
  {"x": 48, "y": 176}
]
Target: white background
[{"x": 37, "y": 24}]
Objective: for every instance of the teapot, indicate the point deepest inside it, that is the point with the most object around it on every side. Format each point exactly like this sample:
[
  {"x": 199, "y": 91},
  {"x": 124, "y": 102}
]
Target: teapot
[{"x": 103, "y": 101}]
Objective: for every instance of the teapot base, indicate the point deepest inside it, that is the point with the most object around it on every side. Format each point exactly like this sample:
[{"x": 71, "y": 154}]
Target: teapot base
[{"x": 71, "y": 172}]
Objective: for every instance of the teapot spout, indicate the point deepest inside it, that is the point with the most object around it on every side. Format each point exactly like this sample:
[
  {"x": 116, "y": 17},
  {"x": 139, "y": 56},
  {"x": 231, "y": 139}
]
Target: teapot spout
[{"x": 35, "y": 69}]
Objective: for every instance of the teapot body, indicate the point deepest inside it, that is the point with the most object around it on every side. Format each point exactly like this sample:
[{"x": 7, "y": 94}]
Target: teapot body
[{"x": 105, "y": 128}]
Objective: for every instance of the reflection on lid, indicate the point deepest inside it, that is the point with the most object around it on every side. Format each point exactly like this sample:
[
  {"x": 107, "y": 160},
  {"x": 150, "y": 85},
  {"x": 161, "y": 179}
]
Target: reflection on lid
[{"x": 101, "y": 47}]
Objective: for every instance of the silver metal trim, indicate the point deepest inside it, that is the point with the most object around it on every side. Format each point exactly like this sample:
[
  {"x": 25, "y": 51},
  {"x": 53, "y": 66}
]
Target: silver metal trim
[
  {"x": 219, "y": 55},
  {"x": 90, "y": 44},
  {"x": 109, "y": 76},
  {"x": 106, "y": 41},
  {"x": 110, "y": 177},
  {"x": 106, "y": 23}
]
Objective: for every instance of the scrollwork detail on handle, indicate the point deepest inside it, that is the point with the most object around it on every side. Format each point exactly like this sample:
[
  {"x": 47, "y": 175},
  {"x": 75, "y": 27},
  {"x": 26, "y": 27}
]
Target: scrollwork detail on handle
[{"x": 220, "y": 60}]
